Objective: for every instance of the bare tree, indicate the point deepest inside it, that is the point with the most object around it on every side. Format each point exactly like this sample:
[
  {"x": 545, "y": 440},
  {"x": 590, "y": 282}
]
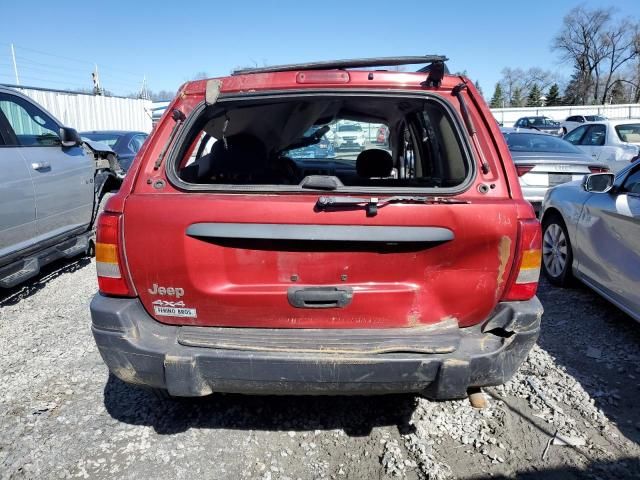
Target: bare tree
[
  {"x": 597, "y": 46},
  {"x": 579, "y": 43},
  {"x": 623, "y": 41},
  {"x": 517, "y": 79}
]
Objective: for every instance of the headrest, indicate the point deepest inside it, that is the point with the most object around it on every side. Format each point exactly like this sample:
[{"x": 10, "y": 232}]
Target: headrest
[
  {"x": 243, "y": 154},
  {"x": 374, "y": 163}
]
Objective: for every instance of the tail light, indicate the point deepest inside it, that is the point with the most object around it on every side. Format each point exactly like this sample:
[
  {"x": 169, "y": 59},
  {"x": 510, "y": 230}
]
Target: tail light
[
  {"x": 599, "y": 169},
  {"x": 522, "y": 169},
  {"x": 523, "y": 281},
  {"x": 110, "y": 265}
]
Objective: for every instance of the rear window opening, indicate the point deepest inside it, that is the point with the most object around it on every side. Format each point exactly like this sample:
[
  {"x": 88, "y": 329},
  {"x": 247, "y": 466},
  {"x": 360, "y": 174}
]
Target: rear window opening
[{"x": 362, "y": 142}]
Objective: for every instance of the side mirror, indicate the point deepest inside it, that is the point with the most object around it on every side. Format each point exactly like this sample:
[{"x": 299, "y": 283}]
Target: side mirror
[
  {"x": 599, "y": 182},
  {"x": 69, "y": 137}
]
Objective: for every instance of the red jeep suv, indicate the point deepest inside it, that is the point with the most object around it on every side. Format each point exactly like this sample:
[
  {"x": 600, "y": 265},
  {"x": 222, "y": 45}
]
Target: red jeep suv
[{"x": 238, "y": 257}]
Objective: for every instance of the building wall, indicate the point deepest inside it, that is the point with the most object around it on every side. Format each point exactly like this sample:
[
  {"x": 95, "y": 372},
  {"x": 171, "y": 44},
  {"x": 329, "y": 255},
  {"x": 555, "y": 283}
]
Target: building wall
[{"x": 93, "y": 112}]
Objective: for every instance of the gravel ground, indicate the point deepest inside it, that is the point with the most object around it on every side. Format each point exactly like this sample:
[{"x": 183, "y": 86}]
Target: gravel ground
[{"x": 62, "y": 415}]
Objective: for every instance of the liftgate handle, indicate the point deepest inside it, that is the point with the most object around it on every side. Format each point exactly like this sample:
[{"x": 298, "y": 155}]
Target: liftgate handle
[{"x": 320, "y": 297}]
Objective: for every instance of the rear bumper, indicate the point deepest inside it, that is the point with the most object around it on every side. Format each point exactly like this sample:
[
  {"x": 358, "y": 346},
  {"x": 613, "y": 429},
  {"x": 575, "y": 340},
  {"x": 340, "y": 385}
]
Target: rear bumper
[{"x": 139, "y": 350}]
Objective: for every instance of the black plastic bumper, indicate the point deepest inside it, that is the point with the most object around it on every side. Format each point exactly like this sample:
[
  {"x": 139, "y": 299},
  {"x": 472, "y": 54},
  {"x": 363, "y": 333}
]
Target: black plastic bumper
[{"x": 140, "y": 350}]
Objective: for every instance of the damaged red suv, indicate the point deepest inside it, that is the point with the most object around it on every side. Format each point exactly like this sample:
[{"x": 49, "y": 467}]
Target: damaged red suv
[{"x": 265, "y": 242}]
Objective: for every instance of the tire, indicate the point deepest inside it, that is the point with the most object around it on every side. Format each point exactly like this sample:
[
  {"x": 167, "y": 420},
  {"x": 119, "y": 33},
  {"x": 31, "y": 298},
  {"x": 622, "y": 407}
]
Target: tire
[
  {"x": 162, "y": 395},
  {"x": 557, "y": 254},
  {"x": 91, "y": 250}
]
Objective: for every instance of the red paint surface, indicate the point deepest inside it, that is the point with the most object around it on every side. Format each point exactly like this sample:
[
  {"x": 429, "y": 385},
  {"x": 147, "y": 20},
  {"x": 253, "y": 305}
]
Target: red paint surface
[{"x": 247, "y": 287}]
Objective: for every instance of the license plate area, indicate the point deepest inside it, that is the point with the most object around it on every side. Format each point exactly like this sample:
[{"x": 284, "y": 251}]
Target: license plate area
[{"x": 559, "y": 178}]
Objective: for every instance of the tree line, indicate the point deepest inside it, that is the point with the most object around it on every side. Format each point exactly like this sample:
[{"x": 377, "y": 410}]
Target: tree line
[{"x": 604, "y": 52}]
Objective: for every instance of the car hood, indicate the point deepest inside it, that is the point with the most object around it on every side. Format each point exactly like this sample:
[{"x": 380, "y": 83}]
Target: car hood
[{"x": 97, "y": 147}]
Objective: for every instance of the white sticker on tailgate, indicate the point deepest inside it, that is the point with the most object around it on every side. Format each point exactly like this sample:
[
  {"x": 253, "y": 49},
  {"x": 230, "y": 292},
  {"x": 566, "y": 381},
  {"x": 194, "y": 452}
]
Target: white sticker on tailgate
[{"x": 173, "y": 309}]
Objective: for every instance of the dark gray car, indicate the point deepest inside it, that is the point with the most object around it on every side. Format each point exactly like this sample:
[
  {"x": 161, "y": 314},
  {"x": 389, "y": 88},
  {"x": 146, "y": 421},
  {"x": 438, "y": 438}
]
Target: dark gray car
[
  {"x": 125, "y": 143},
  {"x": 541, "y": 124},
  {"x": 591, "y": 230}
]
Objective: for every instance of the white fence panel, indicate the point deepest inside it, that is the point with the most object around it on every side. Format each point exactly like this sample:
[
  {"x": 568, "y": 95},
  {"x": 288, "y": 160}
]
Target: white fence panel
[
  {"x": 94, "y": 112},
  {"x": 508, "y": 116}
]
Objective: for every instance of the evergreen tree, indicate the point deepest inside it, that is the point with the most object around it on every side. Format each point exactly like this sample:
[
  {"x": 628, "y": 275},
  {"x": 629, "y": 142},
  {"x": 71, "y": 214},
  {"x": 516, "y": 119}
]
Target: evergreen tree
[
  {"x": 497, "y": 101},
  {"x": 577, "y": 90},
  {"x": 553, "y": 97},
  {"x": 516, "y": 97},
  {"x": 618, "y": 94},
  {"x": 533, "y": 99}
]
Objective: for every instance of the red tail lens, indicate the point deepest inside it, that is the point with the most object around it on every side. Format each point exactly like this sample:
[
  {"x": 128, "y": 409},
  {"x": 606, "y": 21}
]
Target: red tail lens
[
  {"x": 522, "y": 169},
  {"x": 523, "y": 281},
  {"x": 112, "y": 277},
  {"x": 599, "y": 169}
]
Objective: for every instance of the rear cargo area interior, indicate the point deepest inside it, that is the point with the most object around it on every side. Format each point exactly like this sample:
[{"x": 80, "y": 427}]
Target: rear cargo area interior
[{"x": 360, "y": 140}]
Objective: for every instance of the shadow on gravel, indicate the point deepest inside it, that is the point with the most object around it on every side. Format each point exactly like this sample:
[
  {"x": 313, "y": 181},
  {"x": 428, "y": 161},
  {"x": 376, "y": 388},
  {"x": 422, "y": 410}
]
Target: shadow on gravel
[
  {"x": 356, "y": 415},
  {"x": 621, "y": 469},
  {"x": 11, "y": 296},
  {"x": 599, "y": 346}
]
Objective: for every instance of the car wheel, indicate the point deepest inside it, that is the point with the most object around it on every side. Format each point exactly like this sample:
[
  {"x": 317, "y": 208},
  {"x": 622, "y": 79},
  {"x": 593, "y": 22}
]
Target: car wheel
[
  {"x": 557, "y": 255},
  {"x": 564, "y": 130}
]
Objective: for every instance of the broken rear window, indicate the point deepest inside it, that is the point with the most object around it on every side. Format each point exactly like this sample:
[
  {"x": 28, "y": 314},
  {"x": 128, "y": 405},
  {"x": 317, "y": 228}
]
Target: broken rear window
[{"x": 373, "y": 142}]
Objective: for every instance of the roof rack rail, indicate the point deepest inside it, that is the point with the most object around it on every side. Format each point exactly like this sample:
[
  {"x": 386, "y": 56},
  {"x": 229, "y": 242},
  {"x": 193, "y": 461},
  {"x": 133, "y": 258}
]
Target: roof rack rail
[{"x": 342, "y": 64}]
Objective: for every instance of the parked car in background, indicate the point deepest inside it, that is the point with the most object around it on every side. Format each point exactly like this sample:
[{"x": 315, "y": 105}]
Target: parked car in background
[
  {"x": 544, "y": 161},
  {"x": 349, "y": 136},
  {"x": 614, "y": 142},
  {"x": 315, "y": 146},
  {"x": 248, "y": 272},
  {"x": 591, "y": 231},
  {"x": 126, "y": 144},
  {"x": 542, "y": 124},
  {"x": 576, "y": 120},
  {"x": 51, "y": 188}
]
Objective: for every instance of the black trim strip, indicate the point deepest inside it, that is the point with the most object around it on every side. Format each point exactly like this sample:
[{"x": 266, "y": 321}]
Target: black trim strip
[
  {"x": 320, "y": 233},
  {"x": 350, "y": 63}
]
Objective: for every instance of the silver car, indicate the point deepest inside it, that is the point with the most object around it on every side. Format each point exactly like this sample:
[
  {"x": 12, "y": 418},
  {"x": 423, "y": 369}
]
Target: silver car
[
  {"x": 51, "y": 187},
  {"x": 543, "y": 161},
  {"x": 591, "y": 231}
]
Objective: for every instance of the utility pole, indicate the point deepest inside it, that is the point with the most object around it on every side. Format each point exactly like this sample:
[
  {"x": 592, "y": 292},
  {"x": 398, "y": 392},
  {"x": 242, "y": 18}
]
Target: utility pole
[
  {"x": 15, "y": 65},
  {"x": 144, "y": 92},
  {"x": 97, "y": 90}
]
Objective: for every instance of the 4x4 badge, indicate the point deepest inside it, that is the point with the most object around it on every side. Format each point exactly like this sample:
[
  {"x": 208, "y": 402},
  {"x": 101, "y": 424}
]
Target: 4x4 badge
[{"x": 166, "y": 303}]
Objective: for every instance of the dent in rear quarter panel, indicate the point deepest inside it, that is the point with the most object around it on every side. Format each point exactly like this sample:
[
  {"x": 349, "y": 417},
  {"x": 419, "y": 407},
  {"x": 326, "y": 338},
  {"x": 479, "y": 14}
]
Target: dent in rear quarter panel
[{"x": 504, "y": 255}]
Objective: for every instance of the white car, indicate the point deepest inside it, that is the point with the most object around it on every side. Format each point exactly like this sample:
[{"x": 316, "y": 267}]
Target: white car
[
  {"x": 574, "y": 121},
  {"x": 349, "y": 136},
  {"x": 613, "y": 142}
]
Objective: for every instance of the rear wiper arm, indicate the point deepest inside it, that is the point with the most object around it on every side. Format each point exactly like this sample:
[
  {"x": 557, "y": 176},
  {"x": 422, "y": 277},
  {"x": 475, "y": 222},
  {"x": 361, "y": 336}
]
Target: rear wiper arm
[{"x": 373, "y": 203}]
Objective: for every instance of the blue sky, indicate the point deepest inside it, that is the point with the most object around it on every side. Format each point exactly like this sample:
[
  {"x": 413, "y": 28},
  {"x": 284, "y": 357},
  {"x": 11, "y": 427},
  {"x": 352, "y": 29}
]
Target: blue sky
[{"x": 58, "y": 43}]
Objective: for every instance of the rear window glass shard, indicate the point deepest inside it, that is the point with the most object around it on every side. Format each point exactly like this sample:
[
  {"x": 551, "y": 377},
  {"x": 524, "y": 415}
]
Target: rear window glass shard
[{"x": 361, "y": 142}]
